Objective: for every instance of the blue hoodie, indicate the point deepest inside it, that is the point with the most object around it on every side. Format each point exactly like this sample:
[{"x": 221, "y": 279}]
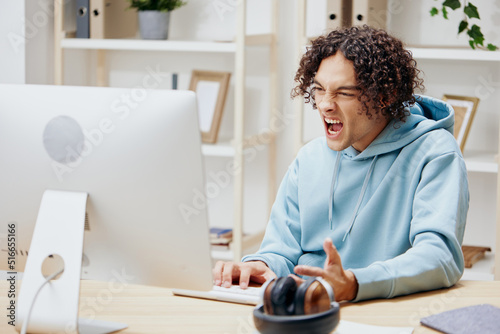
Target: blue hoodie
[{"x": 396, "y": 211}]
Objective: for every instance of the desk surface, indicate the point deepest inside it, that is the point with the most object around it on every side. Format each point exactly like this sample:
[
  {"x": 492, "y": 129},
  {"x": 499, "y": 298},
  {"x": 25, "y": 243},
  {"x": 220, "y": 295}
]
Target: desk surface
[{"x": 155, "y": 310}]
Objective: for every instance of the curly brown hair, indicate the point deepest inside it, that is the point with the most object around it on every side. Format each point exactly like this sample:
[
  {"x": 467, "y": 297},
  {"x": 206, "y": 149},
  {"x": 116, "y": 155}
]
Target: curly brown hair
[{"x": 385, "y": 71}]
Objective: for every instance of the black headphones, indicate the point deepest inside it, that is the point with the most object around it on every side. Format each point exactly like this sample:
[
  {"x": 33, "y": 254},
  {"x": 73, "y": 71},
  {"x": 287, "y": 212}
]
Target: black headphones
[{"x": 288, "y": 308}]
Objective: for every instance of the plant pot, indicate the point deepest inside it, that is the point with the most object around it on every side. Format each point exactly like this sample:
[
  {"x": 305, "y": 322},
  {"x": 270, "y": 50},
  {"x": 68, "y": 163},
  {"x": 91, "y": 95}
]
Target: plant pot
[{"x": 153, "y": 24}]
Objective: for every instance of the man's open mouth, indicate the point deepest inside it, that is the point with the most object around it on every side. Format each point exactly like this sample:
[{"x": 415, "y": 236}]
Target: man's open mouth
[{"x": 333, "y": 126}]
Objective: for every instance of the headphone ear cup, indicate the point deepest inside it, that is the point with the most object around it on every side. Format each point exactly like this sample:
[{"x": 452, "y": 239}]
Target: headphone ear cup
[
  {"x": 312, "y": 297},
  {"x": 282, "y": 296},
  {"x": 301, "y": 294},
  {"x": 266, "y": 297}
]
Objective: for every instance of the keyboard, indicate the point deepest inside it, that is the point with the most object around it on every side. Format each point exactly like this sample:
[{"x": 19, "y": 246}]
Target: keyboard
[{"x": 234, "y": 294}]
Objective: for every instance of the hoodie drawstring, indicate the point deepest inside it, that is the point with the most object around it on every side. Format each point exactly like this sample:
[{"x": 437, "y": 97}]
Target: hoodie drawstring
[
  {"x": 334, "y": 178},
  {"x": 360, "y": 199}
]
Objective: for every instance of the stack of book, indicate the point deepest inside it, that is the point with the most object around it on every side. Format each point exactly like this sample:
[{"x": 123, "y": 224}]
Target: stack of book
[{"x": 220, "y": 238}]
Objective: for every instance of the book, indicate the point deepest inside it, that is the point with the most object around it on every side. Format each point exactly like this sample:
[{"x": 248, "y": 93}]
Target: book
[
  {"x": 348, "y": 327},
  {"x": 221, "y": 241},
  {"x": 219, "y": 232},
  {"x": 476, "y": 319},
  {"x": 220, "y": 247}
]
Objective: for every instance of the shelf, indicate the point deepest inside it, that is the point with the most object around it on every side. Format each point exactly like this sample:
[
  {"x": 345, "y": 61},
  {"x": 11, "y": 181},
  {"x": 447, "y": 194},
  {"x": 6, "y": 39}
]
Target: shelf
[
  {"x": 161, "y": 45},
  {"x": 221, "y": 149},
  {"x": 250, "y": 244},
  {"x": 454, "y": 54},
  {"x": 222, "y": 255},
  {"x": 480, "y": 161},
  {"x": 225, "y": 147}
]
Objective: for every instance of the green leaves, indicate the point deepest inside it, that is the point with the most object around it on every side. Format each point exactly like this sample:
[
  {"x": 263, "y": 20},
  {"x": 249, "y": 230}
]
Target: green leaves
[
  {"x": 471, "y": 11},
  {"x": 161, "y": 5},
  {"x": 491, "y": 47},
  {"x": 462, "y": 26},
  {"x": 445, "y": 12},
  {"x": 453, "y": 4},
  {"x": 476, "y": 37}
]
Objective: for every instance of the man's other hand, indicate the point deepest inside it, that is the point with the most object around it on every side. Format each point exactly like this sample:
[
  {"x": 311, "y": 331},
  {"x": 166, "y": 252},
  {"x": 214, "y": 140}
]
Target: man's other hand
[
  {"x": 225, "y": 273},
  {"x": 343, "y": 282}
]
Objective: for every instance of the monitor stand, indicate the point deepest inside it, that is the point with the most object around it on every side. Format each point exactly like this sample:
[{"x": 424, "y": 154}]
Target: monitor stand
[{"x": 58, "y": 232}]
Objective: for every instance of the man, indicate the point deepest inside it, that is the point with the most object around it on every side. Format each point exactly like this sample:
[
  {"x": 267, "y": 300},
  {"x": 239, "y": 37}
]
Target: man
[{"x": 387, "y": 184}]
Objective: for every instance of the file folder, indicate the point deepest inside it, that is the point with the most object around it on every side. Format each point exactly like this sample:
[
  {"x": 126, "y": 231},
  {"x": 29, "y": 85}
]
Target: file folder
[
  {"x": 82, "y": 19},
  {"x": 370, "y": 12},
  {"x": 338, "y": 14},
  {"x": 112, "y": 19}
]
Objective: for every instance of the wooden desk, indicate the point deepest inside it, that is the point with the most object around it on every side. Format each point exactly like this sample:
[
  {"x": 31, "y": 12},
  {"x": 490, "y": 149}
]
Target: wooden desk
[{"x": 156, "y": 310}]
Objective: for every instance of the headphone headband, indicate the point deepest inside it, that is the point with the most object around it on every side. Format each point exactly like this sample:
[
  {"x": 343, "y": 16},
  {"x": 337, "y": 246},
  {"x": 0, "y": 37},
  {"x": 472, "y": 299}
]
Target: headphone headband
[
  {"x": 328, "y": 288},
  {"x": 320, "y": 279}
]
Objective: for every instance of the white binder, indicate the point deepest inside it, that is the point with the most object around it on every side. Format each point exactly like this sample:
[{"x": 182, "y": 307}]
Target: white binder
[
  {"x": 338, "y": 14},
  {"x": 371, "y": 12}
]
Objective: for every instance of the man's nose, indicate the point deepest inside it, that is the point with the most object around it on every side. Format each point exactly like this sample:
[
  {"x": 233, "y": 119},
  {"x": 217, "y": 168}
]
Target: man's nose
[{"x": 327, "y": 103}]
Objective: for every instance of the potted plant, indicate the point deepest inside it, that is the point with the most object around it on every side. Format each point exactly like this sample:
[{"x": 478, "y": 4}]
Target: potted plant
[
  {"x": 476, "y": 37},
  {"x": 154, "y": 16}
]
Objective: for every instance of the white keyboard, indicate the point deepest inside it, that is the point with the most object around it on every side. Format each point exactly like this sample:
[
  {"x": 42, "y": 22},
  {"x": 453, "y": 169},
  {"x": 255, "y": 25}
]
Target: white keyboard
[{"x": 234, "y": 294}]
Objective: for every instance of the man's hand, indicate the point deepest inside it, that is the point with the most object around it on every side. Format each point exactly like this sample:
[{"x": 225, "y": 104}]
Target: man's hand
[
  {"x": 343, "y": 282},
  {"x": 225, "y": 272}
]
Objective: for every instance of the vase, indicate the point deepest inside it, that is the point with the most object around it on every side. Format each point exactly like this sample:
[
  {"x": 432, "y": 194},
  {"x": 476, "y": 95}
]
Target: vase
[{"x": 153, "y": 24}]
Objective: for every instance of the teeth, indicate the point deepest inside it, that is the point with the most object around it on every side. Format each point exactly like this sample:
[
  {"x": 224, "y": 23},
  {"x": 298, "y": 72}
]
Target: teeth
[{"x": 332, "y": 121}]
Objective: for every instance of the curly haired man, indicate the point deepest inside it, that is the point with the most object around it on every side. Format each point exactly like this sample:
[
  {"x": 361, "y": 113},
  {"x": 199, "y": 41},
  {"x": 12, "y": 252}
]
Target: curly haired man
[{"x": 377, "y": 206}]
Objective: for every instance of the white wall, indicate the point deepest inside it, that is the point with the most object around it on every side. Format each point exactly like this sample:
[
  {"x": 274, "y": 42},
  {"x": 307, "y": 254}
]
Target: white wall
[
  {"x": 12, "y": 48},
  {"x": 26, "y": 27}
]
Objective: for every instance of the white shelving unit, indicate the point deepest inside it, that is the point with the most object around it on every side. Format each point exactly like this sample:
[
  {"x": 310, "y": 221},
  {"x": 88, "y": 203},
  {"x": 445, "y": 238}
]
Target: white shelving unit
[
  {"x": 454, "y": 54},
  {"x": 232, "y": 149},
  {"x": 476, "y": 161},
  {"x": 166, "y": 46}
]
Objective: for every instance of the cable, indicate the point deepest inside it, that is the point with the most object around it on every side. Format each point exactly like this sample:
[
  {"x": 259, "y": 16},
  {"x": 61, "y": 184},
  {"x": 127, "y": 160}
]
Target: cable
[{"x": 47, "y": 280}]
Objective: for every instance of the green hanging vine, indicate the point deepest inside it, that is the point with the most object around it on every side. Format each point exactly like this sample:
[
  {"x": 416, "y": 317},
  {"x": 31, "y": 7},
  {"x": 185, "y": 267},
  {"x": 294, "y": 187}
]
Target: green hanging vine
[{"x": 476, "y": 37}]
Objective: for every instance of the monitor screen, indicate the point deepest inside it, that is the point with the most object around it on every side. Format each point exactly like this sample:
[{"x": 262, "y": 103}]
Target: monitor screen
[{"x": 136, "y": 152}]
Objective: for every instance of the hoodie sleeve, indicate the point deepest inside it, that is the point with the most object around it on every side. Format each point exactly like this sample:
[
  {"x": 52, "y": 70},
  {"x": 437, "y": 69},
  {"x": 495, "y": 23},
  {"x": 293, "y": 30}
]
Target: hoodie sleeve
[
  {"x": 280, "y": 248},
  {"x": 435, "y": 259}
]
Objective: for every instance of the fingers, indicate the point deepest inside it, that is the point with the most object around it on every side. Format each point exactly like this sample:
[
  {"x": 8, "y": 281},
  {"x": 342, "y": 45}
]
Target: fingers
[
  {"x": 223, "y": 273},
  {"x": 217, "y": 272},
  {"x": 245, "y": 273},
  {"x": 308, "y": 271},
  {"x": 227, "y": 274},
  {"x": 297, "y": 279},
  {"x": 256, "y": 271},
  {"x": 332, "y": 255}
]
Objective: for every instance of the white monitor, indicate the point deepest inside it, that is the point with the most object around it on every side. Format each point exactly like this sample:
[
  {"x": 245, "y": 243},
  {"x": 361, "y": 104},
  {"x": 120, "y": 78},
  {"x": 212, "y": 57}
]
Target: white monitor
[{"x": 137, "y": 154}]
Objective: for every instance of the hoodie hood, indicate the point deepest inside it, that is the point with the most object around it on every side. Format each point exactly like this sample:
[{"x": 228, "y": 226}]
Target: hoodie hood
[{"x": 427, "y": 114}]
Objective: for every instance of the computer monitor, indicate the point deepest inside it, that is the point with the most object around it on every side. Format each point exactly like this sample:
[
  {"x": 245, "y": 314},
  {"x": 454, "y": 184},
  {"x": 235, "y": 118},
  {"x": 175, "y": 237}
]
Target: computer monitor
[{"x": 136, "y": 152}]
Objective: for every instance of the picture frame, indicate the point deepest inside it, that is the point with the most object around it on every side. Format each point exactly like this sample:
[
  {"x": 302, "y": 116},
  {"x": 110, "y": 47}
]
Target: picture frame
[
  {"x": 465, "y": 109},
  {"x": 211, "y": 90}
]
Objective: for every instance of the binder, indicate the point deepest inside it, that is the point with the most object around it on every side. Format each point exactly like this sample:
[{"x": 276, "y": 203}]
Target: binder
[
  {"x": 82, "y": 19},
  {"x": 370, "y": 12},
  {"x": 339, "y": 14},
  {"x": 112, "y": 19}
]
